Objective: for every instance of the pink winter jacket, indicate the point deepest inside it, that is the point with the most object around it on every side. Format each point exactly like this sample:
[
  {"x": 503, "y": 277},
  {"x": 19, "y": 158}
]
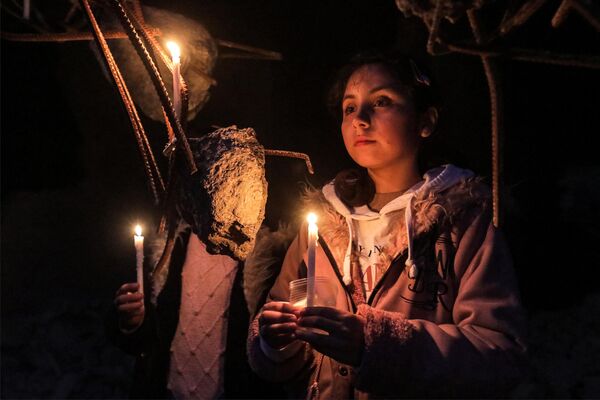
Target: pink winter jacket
[{"x": 456, "y": 330}]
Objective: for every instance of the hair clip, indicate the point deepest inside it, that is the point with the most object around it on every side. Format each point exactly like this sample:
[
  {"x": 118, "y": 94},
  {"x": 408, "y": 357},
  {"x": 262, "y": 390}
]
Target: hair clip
[{"x": 418, "y": 75}]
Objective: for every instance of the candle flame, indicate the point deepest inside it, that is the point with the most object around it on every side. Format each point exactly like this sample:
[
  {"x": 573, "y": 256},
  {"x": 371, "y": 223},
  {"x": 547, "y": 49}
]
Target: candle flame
[
  {"x": 174, "y": 49},
  {"x": 138, "y": 230},
  {"x": 311, "y": 218}
]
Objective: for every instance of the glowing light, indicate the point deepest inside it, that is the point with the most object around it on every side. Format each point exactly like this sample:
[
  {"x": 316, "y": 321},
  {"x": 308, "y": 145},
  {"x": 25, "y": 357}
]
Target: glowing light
[
  {"x": 138, "y": 240},
  {"x": 174, "y": 49},
  {"x": 311, "y": 218},
  {"x": 175, "y": 54}
]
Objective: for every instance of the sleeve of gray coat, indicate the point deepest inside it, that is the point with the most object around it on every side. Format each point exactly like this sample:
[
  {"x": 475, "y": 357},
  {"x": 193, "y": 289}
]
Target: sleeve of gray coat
[{"x": 481, "y": 353}]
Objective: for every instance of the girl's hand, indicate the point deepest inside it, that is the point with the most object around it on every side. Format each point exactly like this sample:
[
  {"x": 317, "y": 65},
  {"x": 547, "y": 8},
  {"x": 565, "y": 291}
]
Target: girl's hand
[
  {"x": 130, "y": 306},
  {"x": 345, "y": 340},
  {"x": 277, "y": 323}
]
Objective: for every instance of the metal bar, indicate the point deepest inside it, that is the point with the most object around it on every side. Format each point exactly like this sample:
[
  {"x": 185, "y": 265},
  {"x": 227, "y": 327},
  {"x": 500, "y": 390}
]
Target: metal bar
[
  {"x": 127, "y": 102},
  {"x": 157, "y": 81},
  {"x": 561, "y": 13},
  {"x": 497, "y": 119},
  {"x": 267, "y": 54},
  {"x": 544, "y": 57},
  {"x": 521, "y": 16},
  {"x": 587, "y": 13},
  {"x": 164, "y": 57},
  {"x": 68, "y": 36},
  {"x": 292, "y": 154},
  {"x": 435, "y": 28}
]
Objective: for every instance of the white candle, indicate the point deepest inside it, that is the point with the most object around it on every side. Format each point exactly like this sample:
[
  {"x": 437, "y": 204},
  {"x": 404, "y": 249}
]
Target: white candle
[
  {"x": 313, "y": 234},
  {"x": 26, "y": 8},
  {"x": 139, "y": 256},
  {"x": 175, "y": 55}
]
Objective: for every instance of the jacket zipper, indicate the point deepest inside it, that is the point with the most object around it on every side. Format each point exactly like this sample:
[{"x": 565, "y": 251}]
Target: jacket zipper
[{"x": 404, "y": 254}]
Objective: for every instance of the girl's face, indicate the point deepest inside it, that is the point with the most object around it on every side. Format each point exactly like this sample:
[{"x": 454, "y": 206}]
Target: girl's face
[{"x": 379, "y": 123}]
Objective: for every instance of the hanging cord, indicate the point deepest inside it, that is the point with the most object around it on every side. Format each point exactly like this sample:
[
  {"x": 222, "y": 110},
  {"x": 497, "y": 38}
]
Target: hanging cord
[
  {"x": 150, "y": 165},
  {"x": 140, "y": 47}
]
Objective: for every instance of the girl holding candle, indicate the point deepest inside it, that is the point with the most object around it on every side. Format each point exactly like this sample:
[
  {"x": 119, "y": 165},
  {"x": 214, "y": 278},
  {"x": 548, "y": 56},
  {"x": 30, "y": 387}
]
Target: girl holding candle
[{"x": 427, "y": 301}]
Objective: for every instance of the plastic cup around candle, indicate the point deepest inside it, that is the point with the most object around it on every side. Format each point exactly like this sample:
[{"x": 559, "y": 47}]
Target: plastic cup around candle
[{"x": 325, "y": 294}]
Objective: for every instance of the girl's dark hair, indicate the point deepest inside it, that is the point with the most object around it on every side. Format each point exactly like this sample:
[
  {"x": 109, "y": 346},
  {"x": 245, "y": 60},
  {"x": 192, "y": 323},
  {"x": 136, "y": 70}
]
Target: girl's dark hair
[
  {"x": 416, "y": 80},
  {"x": 354, "y": 187}
]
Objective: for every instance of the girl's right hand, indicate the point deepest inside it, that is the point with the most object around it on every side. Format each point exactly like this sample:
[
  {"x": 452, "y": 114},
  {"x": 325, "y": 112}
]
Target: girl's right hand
[
  {"x": 130, "y": 306},
  {"x": 277, "y": 323}
]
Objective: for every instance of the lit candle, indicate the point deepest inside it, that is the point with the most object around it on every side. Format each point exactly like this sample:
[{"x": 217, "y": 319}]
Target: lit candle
[
  {"x": 26, "y": 8},
  {"x": 175, "y": 55},
  {"x": 313, "y": 234},
  {"x": 139, "y": 256}
]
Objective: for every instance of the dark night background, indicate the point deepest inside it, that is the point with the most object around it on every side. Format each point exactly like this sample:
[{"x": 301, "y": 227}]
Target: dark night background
[{"x": 73, "y": 184}]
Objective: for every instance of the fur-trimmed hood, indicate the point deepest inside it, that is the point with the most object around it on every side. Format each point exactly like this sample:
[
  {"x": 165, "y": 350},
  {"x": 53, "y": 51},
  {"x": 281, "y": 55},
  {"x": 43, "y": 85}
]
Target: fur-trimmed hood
[{"x": 443, "y": 194}]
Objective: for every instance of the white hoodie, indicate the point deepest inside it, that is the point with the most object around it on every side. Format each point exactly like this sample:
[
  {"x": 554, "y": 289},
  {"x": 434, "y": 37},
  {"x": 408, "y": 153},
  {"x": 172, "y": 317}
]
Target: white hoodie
[{"x": 370, "y": 230}]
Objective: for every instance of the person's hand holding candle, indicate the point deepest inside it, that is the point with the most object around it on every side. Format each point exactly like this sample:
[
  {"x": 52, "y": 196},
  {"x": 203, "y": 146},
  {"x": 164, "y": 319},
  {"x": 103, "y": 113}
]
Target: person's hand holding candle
[
  {"x": 344, "y": 340},
  {"x": 129, "y": 299},
  {"x": 129, "y": 302},
  {"x": 278, "y": 323}
]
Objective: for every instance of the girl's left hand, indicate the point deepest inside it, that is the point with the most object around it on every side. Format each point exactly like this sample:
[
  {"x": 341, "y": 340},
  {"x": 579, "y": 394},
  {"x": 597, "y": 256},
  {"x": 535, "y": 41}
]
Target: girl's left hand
[{"x": 345, "y": 340}]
